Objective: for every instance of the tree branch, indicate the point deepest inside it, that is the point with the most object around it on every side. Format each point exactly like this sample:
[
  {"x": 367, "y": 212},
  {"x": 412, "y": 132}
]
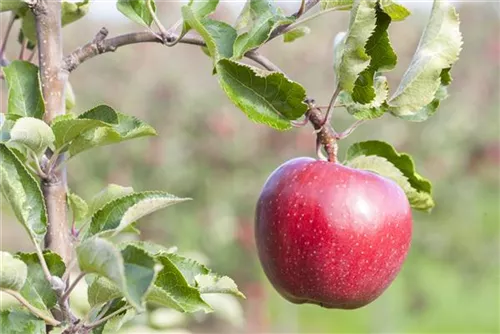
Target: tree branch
[
  {"x": 263, "y": 61},
  {"x": 102, "y": 45},
  {"x": 53, "y": 79},
  {"x": 67, "y": 293}
]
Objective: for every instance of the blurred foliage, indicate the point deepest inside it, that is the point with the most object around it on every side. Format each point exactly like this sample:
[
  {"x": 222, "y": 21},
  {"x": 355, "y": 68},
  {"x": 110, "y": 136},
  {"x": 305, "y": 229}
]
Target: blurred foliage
[{"x": 208, "y": 150}]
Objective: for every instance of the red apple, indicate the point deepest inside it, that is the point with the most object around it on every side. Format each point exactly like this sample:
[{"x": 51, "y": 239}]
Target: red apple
[{"x": 331, "y": 235}]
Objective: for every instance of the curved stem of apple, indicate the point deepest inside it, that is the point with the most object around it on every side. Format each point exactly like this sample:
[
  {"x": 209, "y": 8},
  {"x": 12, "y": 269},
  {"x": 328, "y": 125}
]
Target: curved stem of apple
[{"x": 326, "y": 135}]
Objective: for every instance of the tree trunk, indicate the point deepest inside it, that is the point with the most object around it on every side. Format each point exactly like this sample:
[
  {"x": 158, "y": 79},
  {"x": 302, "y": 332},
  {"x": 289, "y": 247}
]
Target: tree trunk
[{"x": 53, "y": 78}]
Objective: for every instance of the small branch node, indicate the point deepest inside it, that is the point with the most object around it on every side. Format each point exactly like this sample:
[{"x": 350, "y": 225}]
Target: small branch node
[{"x": 101, "y": 35}]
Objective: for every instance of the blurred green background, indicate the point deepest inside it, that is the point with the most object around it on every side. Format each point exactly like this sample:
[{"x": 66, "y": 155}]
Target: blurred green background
[{"x": 208, "y": 150}]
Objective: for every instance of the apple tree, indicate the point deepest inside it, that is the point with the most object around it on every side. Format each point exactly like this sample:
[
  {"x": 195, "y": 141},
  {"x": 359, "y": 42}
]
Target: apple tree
[{"x": 75, "y": 239}]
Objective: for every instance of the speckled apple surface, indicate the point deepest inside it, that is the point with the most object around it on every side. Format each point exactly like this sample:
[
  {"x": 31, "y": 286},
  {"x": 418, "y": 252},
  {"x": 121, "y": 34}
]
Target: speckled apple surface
[{"x": 331, "y": 235}]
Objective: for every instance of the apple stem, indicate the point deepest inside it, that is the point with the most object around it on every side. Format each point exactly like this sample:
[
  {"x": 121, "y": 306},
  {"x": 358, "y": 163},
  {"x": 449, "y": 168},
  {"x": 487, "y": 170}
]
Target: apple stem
[{"x": 327, "y": 137}]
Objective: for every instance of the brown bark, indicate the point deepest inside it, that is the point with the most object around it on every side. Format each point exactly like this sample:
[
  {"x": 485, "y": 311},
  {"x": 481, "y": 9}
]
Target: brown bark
[{"x": 53, "y": 79}]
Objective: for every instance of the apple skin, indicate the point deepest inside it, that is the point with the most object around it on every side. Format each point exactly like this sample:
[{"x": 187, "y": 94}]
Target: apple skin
[{"x": 331, "y": 235}]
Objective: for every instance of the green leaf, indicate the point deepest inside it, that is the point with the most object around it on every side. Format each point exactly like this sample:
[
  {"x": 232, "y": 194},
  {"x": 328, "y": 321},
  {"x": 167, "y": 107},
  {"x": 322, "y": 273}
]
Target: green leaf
[
  {"x": 218, "y": 36},
  {"x": 437, "y": 51},
  {"x": 6, "y": 5},
  {"x": 70, "y": 12},
  {"x": 382, "y": 59},
  {"x": 101, "y": 113},
  {"x": 336, "y": 4},
  {"x": 18, "y": 321},
  {"x": 23, "y": 193},
  {"x": 70, "y": 99},
  {"x": 245, "y": 18},
  {"x": 78, "y": 206},
  {"x": 266, "y": 18},
  {"x": 172, "y": 290},
  {"x": 192, "y": 280},
  {"x": 132, "y": 270},
  {"x": 126, "y": 128},
  {"x": 101, "y": 257},
  {"x": 30, "y": 45},
  {"x": 199, "y": 276},
  {"x": 370, "y": 90},
  {"x": 430, "y": 109},
  {"x": 102, "y": 290},
  {"x": 152, "y": 248},
  {"x": 114, "y": 306},
  {"x": 37, "y": 290},
  {"x": 266, "y": 97},
  {"x": 354, "y": 58},
  {"x": 188, "y": 267},
  {"x": 5, "y": 127},
  {"x": 396, "y": 11},
  {"x": 338, "y": 50},
  {"x": 179, "y": 284},
  {"x": 446, "y": 76},
  {"x": 372, "y": 110},
  {"x": 199, "y": 9},
  {"x": 382, "y": 158},
  {"x": 223, "y": 36},
  {"x": 295, "y": 33},
  {"x": 32, "y": 133},
  {"x": 202, "y": 8},
  {"x": 13, "y": 272},
  {"x": 137, "y": 11},
  {"x": 114, "y": 324},
  {"x": 120, "y": 213},
  {"x": 108, "y": 194},
  {"x": 139, "y": 271},
  {"x": 211, "y": 283},
  {"x": 28, "y": 27},
  {"x": 24, "y": 95},
  {"x": 73, "y": 11},
  {"x": 67, "y": 129}
]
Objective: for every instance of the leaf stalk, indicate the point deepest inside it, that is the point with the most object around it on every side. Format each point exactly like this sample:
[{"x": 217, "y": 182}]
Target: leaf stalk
[{"x": 49, "y": 320}]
